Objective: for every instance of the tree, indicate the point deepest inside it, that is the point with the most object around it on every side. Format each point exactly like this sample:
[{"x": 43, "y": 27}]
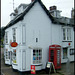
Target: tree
[{"x": 2, "y": 33}]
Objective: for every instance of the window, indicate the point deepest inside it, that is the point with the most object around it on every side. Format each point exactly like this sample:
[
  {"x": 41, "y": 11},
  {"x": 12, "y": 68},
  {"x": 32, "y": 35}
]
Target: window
[
  {"x": 14, "y": 34},
  {"x": 6, "y": 37},
  {"x": 14, "y": 56},
  {"x": 66, "y": 34},
  {"x": 23, "y": 34},
  {"x": 64, "y": 53},
  {"x": 37, "y": 56},
  {"x": 7, "y": 57},
  {"x": 36, "y": 39},
  {"x": 72, "y": 51}
]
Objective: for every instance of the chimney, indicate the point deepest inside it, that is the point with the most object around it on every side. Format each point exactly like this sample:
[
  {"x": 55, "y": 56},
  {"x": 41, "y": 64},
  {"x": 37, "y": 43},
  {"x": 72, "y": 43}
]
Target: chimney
[
  {"x": 54, "y": 12},
  {"x": 52, "y": 8},
  {"x": 32, "y": 0}
]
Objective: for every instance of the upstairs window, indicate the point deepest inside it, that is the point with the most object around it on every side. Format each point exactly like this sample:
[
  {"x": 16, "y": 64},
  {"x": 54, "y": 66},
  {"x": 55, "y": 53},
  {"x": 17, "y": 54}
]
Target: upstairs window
[
  {"x": 14, "y": 34},
  {"x": 67, "y": 34},
  {"x": 6, "y": 37}
]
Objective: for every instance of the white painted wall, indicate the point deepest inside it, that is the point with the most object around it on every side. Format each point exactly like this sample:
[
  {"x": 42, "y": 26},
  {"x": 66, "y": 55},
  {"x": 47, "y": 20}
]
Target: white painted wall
[{"x": 38, "y": 25}]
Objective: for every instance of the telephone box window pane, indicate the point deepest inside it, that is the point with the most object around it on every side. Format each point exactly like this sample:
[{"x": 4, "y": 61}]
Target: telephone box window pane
[
  {"x": 58, "y": 57},
  {"x": 52, "y": 55}
]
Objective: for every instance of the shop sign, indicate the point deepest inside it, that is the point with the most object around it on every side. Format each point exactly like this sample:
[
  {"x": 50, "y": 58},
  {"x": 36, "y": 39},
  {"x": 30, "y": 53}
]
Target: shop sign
[
  {"x": 33, "y": 69},
  {"x": 14, "y": 44}
]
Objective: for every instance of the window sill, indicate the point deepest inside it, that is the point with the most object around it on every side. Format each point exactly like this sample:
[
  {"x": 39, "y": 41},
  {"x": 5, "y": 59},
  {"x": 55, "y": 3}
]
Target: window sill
[
  {"x": 37, "y": 64},
  {"x": 7, "y": 59},
  {"x": 6, "y": 44},
  {"x": 14, "y": 63},
  {"x": 66, "y": 41}
]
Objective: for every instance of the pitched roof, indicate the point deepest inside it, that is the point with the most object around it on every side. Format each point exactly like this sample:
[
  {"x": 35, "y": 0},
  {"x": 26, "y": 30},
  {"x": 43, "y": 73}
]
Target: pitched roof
[{"x": 20, "y": 16}]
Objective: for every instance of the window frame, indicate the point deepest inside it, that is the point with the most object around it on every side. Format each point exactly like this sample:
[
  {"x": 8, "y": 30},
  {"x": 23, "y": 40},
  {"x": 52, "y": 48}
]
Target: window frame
[
  {"x": 37, "y": 56},
  {"x": 66, "y": 53},
  {"x": 6, "y": 37},
  {"x": 72, "y": 51},
  {"x": 14, "y": 56},
  {"x": 14, "y": 34},
  {"x": 6, "y": 54},
  {"x": 67, "y": 34}
]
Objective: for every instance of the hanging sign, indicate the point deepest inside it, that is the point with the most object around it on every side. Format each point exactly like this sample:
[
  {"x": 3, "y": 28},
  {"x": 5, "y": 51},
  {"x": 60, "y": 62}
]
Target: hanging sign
[
  {"x": 14, "y": 44},
  {"x": 33, "y": 69}
]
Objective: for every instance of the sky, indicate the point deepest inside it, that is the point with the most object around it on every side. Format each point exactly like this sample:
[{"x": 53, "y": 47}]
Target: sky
[{"x": 7, "y": 7}]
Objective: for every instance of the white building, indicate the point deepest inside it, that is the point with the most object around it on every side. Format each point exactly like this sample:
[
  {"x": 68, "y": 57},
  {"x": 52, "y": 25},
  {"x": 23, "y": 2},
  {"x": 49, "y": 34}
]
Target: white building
[{"x": 35, "y": 29}]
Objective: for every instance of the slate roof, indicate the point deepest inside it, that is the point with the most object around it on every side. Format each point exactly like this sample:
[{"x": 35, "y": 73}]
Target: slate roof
[{"x": 21, "y": 16}]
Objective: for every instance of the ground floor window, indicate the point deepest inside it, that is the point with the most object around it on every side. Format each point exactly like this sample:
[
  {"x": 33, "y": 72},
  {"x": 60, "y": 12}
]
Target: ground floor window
[
  {"x": 37, "y": 56},
  {"x": 72, "y": 51},
  {"x": 65, "y": 53},
  {"x": 7, "y": 55},
  {"x": 14, "y": 56}
]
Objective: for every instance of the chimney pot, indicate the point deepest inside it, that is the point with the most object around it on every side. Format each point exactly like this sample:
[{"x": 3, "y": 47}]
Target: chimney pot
[
  {"x": 32, "y": 0},
  {"x": 53, "y": 8}
]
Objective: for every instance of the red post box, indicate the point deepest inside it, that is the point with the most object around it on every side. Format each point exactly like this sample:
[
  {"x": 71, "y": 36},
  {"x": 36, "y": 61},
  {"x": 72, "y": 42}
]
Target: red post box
[{"x": 55, "y": 55}]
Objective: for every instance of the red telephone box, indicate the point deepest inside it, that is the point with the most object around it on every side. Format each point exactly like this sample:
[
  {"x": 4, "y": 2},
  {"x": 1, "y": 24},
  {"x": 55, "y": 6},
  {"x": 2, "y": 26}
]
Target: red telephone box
[{"x": 55, "y": 55}]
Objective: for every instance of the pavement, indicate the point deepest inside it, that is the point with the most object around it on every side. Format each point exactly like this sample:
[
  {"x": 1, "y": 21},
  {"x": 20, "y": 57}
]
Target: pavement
[{"x": 7, "y": 70}]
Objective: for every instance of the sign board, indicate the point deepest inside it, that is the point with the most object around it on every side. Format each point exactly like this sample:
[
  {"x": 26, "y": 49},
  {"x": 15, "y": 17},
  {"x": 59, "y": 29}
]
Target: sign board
[
  {"x": 33, "y": 69},
  {"x": 14, "y": 44},
  {"x": 50, "y": 65}
]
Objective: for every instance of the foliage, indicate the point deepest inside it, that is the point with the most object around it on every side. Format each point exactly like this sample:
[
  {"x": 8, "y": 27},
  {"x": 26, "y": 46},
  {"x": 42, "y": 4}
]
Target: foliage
[{"x": 2, "y": 33}]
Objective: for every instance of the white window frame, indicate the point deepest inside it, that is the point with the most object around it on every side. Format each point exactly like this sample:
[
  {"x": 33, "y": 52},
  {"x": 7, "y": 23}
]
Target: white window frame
[
  {"x": 14, "y": 34},
  {"x": 6, "y": 37},
  {"x": 6, "y": 54},
  {"x": 66, "y": 34},
  {"x": 37, "y": 56},
  {"x": 23, "y": 34},
  {"x": 72, "y": 51},
  {"x": 14, "y": 56}
]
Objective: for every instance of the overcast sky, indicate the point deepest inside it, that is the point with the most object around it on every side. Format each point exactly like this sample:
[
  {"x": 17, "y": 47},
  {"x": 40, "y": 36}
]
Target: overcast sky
[{"x": 7, "y": 7}]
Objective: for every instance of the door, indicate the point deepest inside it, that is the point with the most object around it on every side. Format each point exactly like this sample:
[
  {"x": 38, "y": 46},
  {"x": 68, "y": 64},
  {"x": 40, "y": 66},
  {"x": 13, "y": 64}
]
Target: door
[{"x": 52, "y": 56}]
